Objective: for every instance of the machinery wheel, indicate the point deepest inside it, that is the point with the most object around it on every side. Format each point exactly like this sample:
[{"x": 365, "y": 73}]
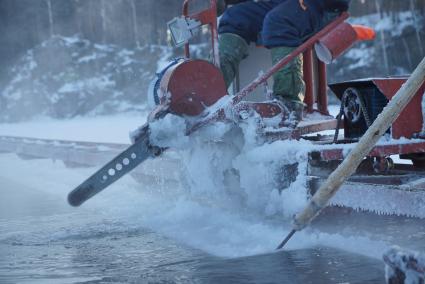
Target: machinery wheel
[
  {"x": 382, "y": 165},
  {"x": 351, "y": 105},
  {"x": 354, "y": 106}
]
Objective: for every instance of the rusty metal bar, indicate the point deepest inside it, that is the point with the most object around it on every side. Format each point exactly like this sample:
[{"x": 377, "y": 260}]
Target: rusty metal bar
[
  {"x": 206, "y": 17},
  {"x": 396, "y": 148},
  {"x": 322, "y": 96},
  {"x": 186, "y": 13},
  {"x": 308, "y": 79}
]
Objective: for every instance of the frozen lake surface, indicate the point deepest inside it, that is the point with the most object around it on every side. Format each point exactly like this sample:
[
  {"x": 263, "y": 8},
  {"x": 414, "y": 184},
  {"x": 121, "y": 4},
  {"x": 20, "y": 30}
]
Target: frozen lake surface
[
  {"x": 116, "y": 238},
  {"x": 42, "y": 240}
]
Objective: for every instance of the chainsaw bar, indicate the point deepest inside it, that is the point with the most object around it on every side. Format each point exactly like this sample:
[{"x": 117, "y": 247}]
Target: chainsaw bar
[{"x": 116, "y": 168}]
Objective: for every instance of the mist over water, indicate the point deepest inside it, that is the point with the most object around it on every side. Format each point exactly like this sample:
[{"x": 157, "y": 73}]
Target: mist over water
[
  {"x": 229, "y": 199},
  {"x": 222, "y": 219},
  {"x": 130, "y": 232},
  {"x": 212, "y": 225}
]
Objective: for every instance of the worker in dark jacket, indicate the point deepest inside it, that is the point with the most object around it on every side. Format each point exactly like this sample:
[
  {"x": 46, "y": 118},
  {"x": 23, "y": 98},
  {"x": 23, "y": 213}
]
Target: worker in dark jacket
[{"x": 281, "y": 26}]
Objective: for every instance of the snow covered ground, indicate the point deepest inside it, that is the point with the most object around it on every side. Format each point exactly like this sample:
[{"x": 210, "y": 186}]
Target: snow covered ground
[
  {"x": 110, "y": 129},
  {"x": 106, "y": 128}
]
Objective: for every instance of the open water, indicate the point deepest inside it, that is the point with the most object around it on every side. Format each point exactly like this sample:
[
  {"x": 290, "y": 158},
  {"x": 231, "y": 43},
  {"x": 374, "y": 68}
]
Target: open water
[{"x": 43, "y": 240}]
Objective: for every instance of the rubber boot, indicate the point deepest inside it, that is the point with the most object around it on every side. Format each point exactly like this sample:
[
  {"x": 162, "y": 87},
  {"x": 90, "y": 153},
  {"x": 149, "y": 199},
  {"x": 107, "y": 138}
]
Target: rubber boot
[
  {"x": 232, "y": 49},
  {"x": 288, "y": 86}
]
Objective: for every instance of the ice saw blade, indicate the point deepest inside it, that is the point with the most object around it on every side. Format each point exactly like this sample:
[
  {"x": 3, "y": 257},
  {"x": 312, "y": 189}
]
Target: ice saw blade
[{"x": 116, "y": 168}]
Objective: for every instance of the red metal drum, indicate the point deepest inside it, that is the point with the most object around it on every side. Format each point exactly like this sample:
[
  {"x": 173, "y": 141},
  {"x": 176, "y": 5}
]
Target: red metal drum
[
  {"x": 191, "y": 86},
  {"x": 333, "y": 44}
]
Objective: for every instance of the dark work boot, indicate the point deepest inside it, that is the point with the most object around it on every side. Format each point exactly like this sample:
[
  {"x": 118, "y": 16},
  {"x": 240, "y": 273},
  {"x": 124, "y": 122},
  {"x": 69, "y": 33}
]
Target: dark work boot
[
  {"x": 232, "y": 49},
  {"x": 288, "y": 86},
  {"x": 295, "y": 112}
]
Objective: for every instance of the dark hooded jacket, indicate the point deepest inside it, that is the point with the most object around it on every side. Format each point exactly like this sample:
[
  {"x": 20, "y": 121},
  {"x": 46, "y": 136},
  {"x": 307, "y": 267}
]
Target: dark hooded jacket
[
  {"x": 330, "y": 5},
  {"x": 274, "y": 23}
]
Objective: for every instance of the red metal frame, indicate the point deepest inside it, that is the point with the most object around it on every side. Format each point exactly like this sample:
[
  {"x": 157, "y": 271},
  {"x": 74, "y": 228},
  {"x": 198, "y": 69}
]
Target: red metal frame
[
  {"x": 206, "y": 17},
  {"x": 309, "y": 44},
  {"x": 393, "y": 148},
  {"x": 209, "y": 17},
  {"x": 322, "y": 97},
  {"x": 315, "y": 95},
  {"x": 302, "y": 129},
  {"x": 410, "y": 120},
  {"x": 308, "y": 79},
  {"x": 305, "y": 47}
]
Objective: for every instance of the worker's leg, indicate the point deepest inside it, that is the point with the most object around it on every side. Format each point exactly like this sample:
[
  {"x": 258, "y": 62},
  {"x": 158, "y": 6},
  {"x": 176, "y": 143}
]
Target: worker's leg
[
  {"x": 286, "y": 27},
  {"x": 239, "y": 25},
  {"x": 288, "y": 85},
  {"x": 232, "y": 49},
  {"x": 288, "y": 81}
]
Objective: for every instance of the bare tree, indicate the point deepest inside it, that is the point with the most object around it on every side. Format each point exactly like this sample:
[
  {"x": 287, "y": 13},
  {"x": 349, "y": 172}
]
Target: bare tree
[
  {"x": 103, "y": 18},
  {"x": 135, "y": 24},
  {"x": 378, "y": 5},
  {"x": 50, "y": 14},
  {"x": 415, "y": 18}
]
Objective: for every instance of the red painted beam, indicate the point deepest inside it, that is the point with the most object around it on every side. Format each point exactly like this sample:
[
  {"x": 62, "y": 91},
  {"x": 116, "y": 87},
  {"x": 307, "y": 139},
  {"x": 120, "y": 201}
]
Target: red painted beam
[{"x": 377, "y": 151}]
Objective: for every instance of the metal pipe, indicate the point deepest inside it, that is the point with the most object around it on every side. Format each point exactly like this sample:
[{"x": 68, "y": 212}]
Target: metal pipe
[
  {"x": 185, "y": 13},
  {"x": 322, "y": 96},
  {"x": 308, "y": 79}
]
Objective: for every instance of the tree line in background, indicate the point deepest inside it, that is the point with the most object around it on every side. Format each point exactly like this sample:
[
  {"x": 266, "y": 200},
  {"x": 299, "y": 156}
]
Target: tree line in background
[{"x": 129, "y": 23}]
